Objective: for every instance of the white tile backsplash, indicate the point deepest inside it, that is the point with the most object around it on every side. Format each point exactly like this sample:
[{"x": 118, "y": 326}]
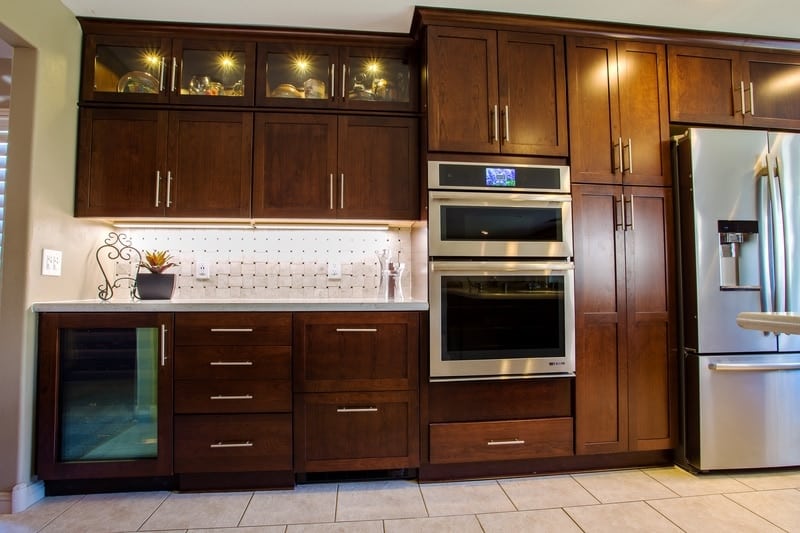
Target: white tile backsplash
[{"x": 277, "y": 263}]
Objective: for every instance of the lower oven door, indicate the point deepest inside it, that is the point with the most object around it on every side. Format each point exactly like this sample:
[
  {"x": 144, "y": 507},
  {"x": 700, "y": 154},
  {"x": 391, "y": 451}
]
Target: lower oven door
[{"x": 496, "y": 319}]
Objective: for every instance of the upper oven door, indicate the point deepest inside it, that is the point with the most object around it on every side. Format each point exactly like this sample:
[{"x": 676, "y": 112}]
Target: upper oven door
[{"x": 475, "y": 224}]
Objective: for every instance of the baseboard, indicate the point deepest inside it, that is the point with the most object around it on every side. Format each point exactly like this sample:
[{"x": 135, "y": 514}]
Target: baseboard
[
  {"x": 24, "y": 495},
  {"x": 5, "y": 502}
]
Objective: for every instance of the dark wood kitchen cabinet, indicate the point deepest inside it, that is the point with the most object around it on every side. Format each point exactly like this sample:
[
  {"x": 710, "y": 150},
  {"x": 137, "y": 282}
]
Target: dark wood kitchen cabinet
[
  {"x": 149, "y": 162},
  {"x": 104, "y": 396},
  {"x": 328, "y": 166},
  {"x": 619, "y": 129},
  {"x": 732, "y": 87},
  {"x": 233, "y": 399},
  {"x": 356, "y": 391},
  {"x": 493, "y": 92},
  {"x": 626, "y": 356}
]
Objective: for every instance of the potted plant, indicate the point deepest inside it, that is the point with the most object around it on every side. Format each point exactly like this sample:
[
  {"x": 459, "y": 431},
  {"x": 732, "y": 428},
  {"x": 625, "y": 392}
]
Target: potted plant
[{"x": 155, "y": 285}]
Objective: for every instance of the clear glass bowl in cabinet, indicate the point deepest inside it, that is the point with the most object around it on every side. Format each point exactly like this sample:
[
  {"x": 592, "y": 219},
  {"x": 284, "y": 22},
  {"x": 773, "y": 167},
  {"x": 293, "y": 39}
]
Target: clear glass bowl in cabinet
[
  {"x": 377, "y": 78},
  {"x": 301, "y": 76},
  {"x": 212, "y": 72}
]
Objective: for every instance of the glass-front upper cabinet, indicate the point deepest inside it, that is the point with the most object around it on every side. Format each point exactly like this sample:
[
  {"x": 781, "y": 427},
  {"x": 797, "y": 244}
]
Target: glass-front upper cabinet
[
  {"x": 147, "y": 69},
  {"x": 310, "y": 76}
]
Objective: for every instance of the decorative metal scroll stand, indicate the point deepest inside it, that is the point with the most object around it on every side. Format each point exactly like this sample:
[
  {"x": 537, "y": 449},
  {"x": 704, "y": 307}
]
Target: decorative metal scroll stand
[{"x": 117, "y": 246}]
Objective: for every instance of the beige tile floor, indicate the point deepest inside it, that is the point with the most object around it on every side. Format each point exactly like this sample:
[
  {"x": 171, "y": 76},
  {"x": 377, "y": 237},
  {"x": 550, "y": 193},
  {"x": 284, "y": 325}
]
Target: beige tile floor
[{"x": 650, "y": 500}]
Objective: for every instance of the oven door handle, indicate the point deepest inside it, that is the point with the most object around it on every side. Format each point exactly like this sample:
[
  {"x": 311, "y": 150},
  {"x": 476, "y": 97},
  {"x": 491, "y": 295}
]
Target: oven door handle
[{"x": 499, "y": 266}]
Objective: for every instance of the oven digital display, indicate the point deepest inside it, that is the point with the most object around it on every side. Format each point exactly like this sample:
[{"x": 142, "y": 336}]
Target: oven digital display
[{"x": 501, "y": 177}]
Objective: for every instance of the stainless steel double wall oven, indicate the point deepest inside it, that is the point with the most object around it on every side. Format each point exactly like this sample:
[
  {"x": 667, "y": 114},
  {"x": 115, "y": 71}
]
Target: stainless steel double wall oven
[{"x": 500, "y": 272}]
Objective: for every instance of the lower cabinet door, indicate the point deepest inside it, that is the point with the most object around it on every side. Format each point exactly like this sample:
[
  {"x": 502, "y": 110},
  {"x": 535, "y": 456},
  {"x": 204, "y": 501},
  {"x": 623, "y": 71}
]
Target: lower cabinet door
[
  {"x": 356, "y": 431},
  {"x": 233, "y": 443},
  {"x": 466, "y": 442}
]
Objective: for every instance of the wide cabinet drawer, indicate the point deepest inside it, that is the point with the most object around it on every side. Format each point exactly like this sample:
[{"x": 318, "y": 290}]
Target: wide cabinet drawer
[
  {"x": 233, "y": 443},
  {"x": 233, "y": 362},
  {"x": 501, "y": 440},
  {"x": 233, "y": 329},
  {"x": 356, "y": 431},
  {"x": 233, "y": 396}
]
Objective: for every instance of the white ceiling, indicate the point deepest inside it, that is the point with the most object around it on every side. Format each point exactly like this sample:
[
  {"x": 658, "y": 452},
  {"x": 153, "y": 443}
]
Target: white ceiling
[{"x": 753, "y": 17}]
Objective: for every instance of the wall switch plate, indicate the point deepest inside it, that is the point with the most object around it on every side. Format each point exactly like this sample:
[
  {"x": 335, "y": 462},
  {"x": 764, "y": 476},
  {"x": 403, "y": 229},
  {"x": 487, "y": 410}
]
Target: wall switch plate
[
  {"x": 334, "y": 270},
  {"x": 202, "y": 269},
  {"x": 51, "y": 262}
]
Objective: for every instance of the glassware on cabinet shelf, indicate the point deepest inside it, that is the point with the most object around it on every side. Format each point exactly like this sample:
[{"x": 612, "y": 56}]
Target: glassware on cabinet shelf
[
  {"x": 378, "y": 79},
  {"x": 212, "y": 73},
  {"x": 298, "y": 75},
  {"x": 128, "y": 69}
]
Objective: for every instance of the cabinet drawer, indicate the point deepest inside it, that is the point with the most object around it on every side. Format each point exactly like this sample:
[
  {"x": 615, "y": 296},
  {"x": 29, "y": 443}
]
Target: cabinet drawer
[
  {"x": 233, "y": 396},
  {"x": 355, "y": 351},
  {"x": 356, "y": 431},
  {"x": 233, "y": 443},
  {"x": 233, "y": 329},
  {"x": 500, "y": 441},
  {"x": 233, "y": 362}
]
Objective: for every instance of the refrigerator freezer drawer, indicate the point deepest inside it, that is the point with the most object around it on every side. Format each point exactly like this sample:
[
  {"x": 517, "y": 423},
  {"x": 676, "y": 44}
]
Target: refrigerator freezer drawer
[{"x": 748, "y": 411}]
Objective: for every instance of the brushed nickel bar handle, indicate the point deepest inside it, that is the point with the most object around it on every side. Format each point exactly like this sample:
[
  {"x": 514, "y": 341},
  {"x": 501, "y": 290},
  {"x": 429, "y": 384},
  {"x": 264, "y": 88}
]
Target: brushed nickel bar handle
[
  {"x": 622, "y": 204},
  {"x": 231, "y": 330},
  {"x": 752, "y": 367},
  {"x": 620, "y": 165},
  {"x": 356, "y": 330},
  {"x": 619, "y": 214},
  {"x": 356, "y": 409},
  {"x": 158, "y": 186},
  {"x": 752, "y": 101},
  {"x": 163, "y": 345},
  {"x": 341, "y": 191},
  {"x": 333, "y": 81},
  {"x": 174, "y": 74},
  {"x": 169, "y": 188},
  {"x": 511, "y": 442},
  {"x": 331, "y": 189},
  {"x": 630, "y": 156},
  {"x": 496, "y": 126},
  {"x": 231, "y": 397},
  {"x": 161, "y": 74},
  {"x": 244, "y": 444},
  {"x": 344, "y": 80},
  {"x": 632, "y": 225},
  {"x": 506, "y": 120},
  {"x": 230, "y": 363},
  {"x": 741, "y": 90}
]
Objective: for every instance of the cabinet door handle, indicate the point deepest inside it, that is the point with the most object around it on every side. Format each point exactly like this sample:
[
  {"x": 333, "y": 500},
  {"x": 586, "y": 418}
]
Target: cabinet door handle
[
  {"x": 510, "y": 442},
  {"x": 495, "y": 126},
  {"x": 506, "y": 125},
  {"x": 356, "y": 330},
  {"x": 752, "y": 101},
  {"x": 356, "y": 409},
  {"x": 633, "y": 221},
  {"x": 163, "y": 345},
  {"x": 331, "y": 188},
  {"x": 158, "y": 186},
  {"x": 741, "y": 91},
  {"x": 344, "y": 81},
  {"x": 622, "y": 210},
  {"x": 230, "y": 363},
  {"x": 341, "y": 191},
  {"x": 619, "y": 213},
  {"x": 619, "y": 165},
  {"x": 629, "y": 146},
  {"x": 169, "y": 188},
  {"x": 174, "y": 74},
  {"x": 162, "y": 74},
  {"x": 333, "y": 81},
  {"x": 243, "y": 444},
  {"x": 231, "y": 397},
  {"x": 231, "y": 330}
]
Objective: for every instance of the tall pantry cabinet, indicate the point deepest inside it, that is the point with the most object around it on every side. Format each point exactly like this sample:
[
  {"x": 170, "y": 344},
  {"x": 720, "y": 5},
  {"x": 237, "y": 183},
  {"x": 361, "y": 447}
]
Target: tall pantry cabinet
[{"x": 626, "y": 355}]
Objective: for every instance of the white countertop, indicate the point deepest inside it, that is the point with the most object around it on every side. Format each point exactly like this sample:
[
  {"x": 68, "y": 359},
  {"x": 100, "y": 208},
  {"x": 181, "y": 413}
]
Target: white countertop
[
  {"x": 775, "y": 322},
  {"x": 236, "y": 304}
]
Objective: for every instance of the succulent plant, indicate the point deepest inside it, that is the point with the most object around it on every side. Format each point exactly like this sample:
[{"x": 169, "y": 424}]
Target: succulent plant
[{"x": 157, "y": 261}]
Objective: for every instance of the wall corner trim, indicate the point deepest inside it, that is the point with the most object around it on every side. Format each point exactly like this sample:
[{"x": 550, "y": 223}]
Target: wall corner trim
[{"x": 23, "y": 495}]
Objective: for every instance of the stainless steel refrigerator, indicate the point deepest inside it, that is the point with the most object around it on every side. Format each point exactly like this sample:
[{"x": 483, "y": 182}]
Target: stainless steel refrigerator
[{"x": 739, "y": 248}]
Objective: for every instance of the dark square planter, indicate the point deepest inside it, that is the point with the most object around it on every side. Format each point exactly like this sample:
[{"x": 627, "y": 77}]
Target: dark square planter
[{"x": 155, "y": 286}]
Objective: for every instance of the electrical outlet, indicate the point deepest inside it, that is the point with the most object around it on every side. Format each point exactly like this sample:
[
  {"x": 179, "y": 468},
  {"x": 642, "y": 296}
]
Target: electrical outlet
[
  {"x": 334, "y": 270},
  {"x": 51, "y": 262},
  {"x": 202, "y": 269}
]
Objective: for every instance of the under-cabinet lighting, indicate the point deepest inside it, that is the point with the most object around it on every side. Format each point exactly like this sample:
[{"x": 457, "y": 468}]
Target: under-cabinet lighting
[
  {"x": 301, "y": 226},
  {"x": 250, "y": 225},
  {"x": 182, "y": 225}
]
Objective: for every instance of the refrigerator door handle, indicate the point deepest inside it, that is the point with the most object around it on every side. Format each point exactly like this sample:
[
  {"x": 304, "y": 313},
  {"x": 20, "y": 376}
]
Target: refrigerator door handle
[
  {"x": 752, "y": 367},
  {"x": 778, "y": 241},
  {"x": 764, "y": 244}
]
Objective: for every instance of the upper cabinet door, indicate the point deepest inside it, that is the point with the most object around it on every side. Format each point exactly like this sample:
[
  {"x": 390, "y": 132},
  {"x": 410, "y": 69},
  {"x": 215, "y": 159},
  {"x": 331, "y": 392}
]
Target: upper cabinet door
[
  {"x": 772, "y": 85},
  {"x": 126, "y": 69},
  {"x": 644, "y": 120},
  {"x": 378, "y": 78},
  {"x": 595, "y": 134},
  {"x": 705, "y": 86},
  {"x": 463, "y": 112},
  {"x": 211, "y": 73},
  {"x": 297, "y": 75},
  {"x": 533, "y": 95}
]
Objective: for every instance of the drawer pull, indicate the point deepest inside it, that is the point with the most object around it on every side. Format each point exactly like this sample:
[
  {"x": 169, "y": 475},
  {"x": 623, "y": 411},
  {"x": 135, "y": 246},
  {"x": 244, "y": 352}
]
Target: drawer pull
[
  {"x": 231, "y": 363},
  {"x": 512, "y": 442},
  {"x": 231, "y": 330},
  {"x": 245, "y": 444},
  {"x": 356, "y": 330},
  {"x": 356, "y": 409},
  {"x": 239, "y": 397}
]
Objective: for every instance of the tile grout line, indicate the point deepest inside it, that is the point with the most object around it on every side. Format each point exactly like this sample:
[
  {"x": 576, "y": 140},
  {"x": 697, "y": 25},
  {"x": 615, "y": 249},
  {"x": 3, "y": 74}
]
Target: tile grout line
[
  {"x": 751, "y": 511},
  {"x": 169, "y": 493}
]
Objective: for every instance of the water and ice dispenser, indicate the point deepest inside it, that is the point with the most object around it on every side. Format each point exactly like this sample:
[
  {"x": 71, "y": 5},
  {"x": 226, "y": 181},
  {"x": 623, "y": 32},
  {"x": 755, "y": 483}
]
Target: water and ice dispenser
[{"x": 738, "y": 254}]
